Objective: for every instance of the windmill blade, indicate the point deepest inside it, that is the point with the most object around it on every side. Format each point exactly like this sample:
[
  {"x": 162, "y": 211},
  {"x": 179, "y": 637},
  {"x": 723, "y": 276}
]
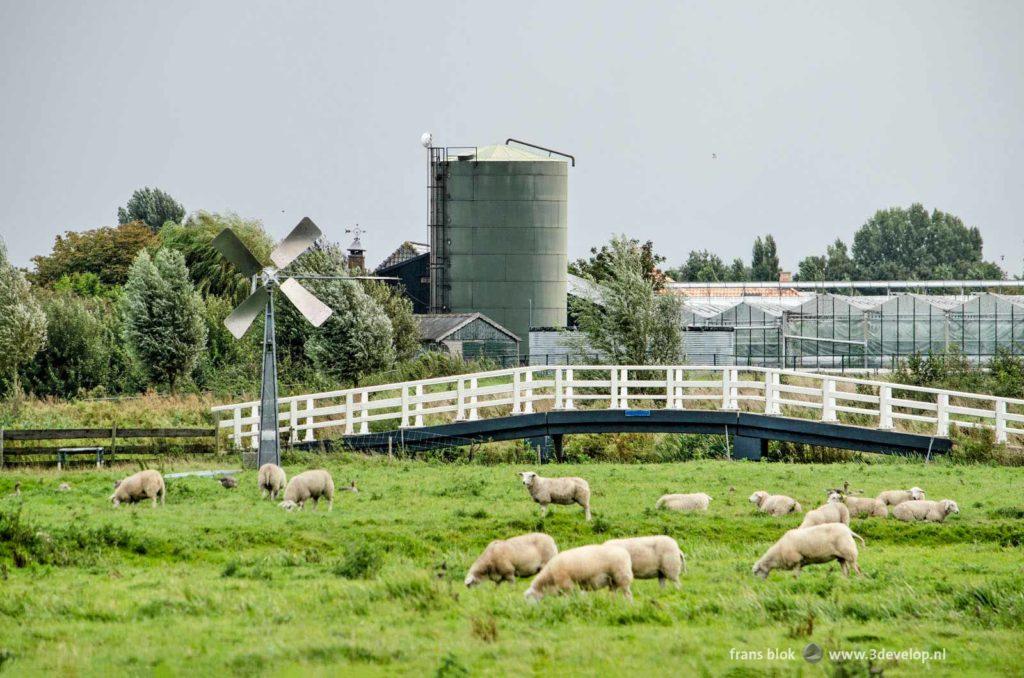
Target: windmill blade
[
  {"x": 241, "y": 318},
  {"x": 297, "y": 242},
  {"x": 234, "y": 250},
  {"x": 316, "y": 311}
]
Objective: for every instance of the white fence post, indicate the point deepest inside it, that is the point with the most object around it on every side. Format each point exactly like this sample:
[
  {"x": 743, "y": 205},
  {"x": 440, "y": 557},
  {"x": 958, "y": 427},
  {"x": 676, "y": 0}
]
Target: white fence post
[
  {"x": 236, "y": 431},
  {"x": 1000, "y": 420},
  {"x": 349, "y": 414},
  {"x": 624, "y": 388},
  {"x": 670, "y": 388},
  {"x": 734, "y": 391},
  {"x": 419, "y": 405},
  {"x": 293, "y": 434},
  {"x": 828, "y": 399},
  {"x": 460, "y": 400},
  {"x": 528, "y": 405},
  {"x": 680, "y": 403},
  {"x": 942, "y": 415},
  {"x": 254, "y": 428},
  {"x": 309, "y": 421},
  {"x": 404, "y": 421},
  {"x": 568, "y": 389},
  {"x": 885, "y": 407},
  {"x": 770, "y": 406},
  {"x": 614, "y": 388},
  {"x": 558, "y": 388},
  {"x": 364, "y": 425},
  {"x": 727, "y": 403},
  {"x": 473, "y": 414},
  {"x": 517, "y": 395}
]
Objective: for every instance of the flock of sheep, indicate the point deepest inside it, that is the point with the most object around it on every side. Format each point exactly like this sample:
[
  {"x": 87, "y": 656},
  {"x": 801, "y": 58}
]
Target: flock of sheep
[{"x": 823, "y": 536}]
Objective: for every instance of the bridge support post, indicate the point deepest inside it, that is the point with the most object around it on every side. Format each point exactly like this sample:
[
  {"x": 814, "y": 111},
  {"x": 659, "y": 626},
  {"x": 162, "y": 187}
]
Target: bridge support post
[
  {"x": 744, "y": 447},
  {"x": 557, "y": 440}
]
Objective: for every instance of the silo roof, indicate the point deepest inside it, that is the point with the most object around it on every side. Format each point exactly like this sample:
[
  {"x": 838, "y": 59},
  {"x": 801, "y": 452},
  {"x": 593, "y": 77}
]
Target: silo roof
[{"x": 503, "y": 153}]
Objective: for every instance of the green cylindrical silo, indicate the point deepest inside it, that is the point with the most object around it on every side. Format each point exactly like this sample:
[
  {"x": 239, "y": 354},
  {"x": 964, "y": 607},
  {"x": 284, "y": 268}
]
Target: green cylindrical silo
[{"x": 505, "y": 237}]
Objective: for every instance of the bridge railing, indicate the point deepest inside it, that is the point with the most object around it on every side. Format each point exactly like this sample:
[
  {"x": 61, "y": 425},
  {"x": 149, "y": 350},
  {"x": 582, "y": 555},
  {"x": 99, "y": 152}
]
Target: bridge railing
[{"x": 523, "y": 390}]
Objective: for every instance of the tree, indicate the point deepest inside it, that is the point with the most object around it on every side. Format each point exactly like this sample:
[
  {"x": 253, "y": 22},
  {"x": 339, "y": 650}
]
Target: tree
[
  {"x": 738, "y": 271},
  {"x": 838, "y": 264},
  {"x": 911, "y": 244},
  {"x": 701, "y": 266},
  {"x": 211, "y": 273},
  {"x": 105, "y": 252},
  {"x": 764, "y": 263},
  {"x": 22, "y": 321},
  {"x": 630, "y": 324},
  {"x": 165, "y": 330},
  {"x": 76, "y": 357},
  {"x": 151, "y": 206},
  {"x": 357, "y": 339},
  {"x": 811, "y": 269},
  {"x": 399, "y": 311},
  {"x": 598, "y": 265}
]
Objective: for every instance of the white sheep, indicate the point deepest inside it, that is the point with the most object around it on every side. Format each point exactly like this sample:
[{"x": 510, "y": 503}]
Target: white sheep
[
  {"x": 506, "y": 559},
  {"x": 142, "y": 485},
  {"x": 897, "y": 497},
  {"x": 546, "y": 491},
  {"x": 590, "y": 567},
  {"x": 658, "y": 556},
  {"x": 271, "y": 480},
  {"x": 775, "y": 504},
  {"x": 684, "y": 502},
  {"x": 309, "y": 485},
  {"x": 834, "y": 511},
  {"x": 865, "y": 507},
  {"x": 810, "y": 545},
  {"x": 922, "y": 509}
]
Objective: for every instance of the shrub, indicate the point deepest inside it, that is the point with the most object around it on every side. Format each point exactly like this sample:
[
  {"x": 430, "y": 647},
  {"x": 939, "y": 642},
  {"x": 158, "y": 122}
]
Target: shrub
[{"x": 362, "y": 562}]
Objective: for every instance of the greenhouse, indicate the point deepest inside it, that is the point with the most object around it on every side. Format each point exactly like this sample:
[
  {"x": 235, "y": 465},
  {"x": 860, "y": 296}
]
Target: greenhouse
[{"x": 849, "y": 332}]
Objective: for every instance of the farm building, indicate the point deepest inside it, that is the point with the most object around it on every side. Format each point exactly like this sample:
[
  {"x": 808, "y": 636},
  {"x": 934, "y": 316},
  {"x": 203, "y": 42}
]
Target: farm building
[{"x": 470, "y": 335}]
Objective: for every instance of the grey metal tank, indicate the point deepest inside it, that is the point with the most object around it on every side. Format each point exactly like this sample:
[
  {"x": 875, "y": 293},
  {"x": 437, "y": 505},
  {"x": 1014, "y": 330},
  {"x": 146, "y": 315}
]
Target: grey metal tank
[{"x": 499, "y": 244}]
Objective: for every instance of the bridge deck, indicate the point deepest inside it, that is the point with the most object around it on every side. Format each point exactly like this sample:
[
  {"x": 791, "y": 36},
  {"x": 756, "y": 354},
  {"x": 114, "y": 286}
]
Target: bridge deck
[{"x": 740, "y": 426}]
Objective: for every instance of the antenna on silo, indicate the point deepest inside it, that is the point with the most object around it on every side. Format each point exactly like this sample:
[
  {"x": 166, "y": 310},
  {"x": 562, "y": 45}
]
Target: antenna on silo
[{"x": 427, "y": 140}]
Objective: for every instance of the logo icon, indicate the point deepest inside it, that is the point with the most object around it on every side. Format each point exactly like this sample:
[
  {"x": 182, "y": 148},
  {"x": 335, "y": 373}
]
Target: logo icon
[{"x": 813, "y": 653}]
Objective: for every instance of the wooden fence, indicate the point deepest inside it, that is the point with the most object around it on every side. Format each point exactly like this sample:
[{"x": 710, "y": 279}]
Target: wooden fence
[{"x": 100, "y": 445}]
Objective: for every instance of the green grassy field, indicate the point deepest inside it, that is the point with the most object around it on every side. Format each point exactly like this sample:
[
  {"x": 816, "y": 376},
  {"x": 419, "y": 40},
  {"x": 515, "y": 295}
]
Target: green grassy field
[{"x": 219, "y": 582}]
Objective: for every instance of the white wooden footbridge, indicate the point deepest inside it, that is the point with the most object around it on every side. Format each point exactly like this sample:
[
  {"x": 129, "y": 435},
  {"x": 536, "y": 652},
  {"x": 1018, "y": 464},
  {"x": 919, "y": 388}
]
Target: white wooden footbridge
[{"x": 751, "y": 404}]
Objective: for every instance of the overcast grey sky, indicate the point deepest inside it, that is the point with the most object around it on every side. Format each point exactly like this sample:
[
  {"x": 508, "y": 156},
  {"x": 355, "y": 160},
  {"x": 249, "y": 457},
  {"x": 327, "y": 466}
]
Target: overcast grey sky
[{"x": 819, "y": 114}]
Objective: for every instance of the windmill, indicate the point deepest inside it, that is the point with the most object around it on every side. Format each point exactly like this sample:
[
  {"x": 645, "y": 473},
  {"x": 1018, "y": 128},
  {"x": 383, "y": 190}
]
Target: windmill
[{"x": 265, "y": 280}]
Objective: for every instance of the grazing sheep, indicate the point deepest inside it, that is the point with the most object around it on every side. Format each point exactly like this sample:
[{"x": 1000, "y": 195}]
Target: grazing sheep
[
  {"x": 506, "y": 559},
  {"x": 775, "y": 504},
  {"x": 684, "y": 502},
  {"x": 810, "y": 545},
  {"x": 832, "y": 512},
  {"x": 546, "y": 491},
  {"x": 651, "y": 557},
  {"x": 589, "y": 567},
  {"x": 315, "y": 485},
  {"x": 897, "y": 497},
  {"x": 922, "y": 509},
  {"x": 271, "y": 480},
  {"x": 227, "y": 482},
  {"x": 143, "y": 485},
  {"x": 64, "y": 487}
]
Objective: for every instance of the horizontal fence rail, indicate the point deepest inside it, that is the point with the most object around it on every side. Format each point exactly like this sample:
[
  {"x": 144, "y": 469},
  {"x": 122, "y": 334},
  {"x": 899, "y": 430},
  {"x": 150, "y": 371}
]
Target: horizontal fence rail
[
  {"x": 105, "y": 445},
  {"x": 524, "y": 390}
]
